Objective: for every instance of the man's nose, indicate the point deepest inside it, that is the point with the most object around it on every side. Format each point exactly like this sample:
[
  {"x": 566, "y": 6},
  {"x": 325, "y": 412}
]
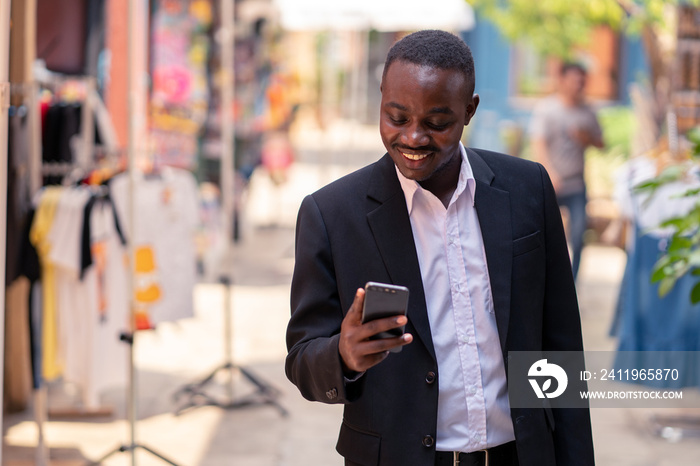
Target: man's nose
[{"x": 415, "y": 136}]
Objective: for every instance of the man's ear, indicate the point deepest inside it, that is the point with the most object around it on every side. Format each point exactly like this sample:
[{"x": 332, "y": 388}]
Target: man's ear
[{"x": 471, "y": 109}]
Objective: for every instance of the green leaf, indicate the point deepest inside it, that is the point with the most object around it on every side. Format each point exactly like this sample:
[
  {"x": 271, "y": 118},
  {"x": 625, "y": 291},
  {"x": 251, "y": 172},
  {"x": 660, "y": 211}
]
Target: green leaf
[
  {"x": 695, "y": 272},
  {"x": 680, "y": 268},
  {"x": 666, "y": 286},
  {"x": 694, "y": 259},
  {"x": 647, "y": 185},
  {"x": 671, "y": 173},
  {"x": 659, "y": 270},
  {"x": 679, "y": 243},
  {"x": 688, "y": 193},
  {"x": 695, "y": 294},
  {"x": 694, "y": 137},
  {"x": 658, "y": 275}
]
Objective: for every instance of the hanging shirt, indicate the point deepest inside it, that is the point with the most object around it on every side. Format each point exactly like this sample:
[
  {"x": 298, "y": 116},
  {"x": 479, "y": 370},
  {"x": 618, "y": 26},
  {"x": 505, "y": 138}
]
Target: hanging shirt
[
  {"x": 166, "y": 217},
  {"x": 38, "y": 235},
  {"x": 473, "y": 407},
  {"x": 73, "y": 300},
  {"x": 92, "y": 307},
  {"x": 110, "y": 313}
]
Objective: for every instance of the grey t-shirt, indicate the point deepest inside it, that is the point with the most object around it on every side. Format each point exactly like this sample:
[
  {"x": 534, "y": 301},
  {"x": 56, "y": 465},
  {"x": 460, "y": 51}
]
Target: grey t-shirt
[{"x": 554, "y": 122}]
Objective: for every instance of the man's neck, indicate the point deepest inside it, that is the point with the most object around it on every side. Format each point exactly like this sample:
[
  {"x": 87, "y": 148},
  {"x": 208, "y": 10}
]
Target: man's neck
[
  {"x": 570, "y": 101},
  {"x": 444, "y": 182}
]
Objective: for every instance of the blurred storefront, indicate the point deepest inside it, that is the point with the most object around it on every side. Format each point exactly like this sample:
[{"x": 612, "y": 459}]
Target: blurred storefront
[{"x": 72, "y": 118}]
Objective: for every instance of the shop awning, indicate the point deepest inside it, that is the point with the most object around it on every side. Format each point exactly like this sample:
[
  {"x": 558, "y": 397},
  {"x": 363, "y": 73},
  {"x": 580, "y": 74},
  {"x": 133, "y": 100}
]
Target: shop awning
[{"x": 382, "y": 15}]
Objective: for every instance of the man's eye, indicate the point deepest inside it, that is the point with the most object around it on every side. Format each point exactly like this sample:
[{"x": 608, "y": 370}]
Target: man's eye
[
  {"x": 397, "y": 120},
  {"x": 438, "y": 126}
]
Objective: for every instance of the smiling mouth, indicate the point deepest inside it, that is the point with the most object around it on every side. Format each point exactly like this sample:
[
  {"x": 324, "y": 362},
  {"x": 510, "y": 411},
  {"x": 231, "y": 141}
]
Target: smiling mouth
[{"x": 415, "y": 156}]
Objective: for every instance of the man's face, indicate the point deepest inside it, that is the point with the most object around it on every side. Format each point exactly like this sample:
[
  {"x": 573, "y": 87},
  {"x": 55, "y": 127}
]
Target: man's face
[
  {"x": 423, "y": 112},
  {"x": 573, "y": 83}
]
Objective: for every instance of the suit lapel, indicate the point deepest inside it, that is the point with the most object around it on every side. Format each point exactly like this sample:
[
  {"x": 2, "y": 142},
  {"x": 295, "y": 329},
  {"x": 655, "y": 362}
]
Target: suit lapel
[
  {"x": 388, "y": 219},
  {"x": 493, "y": 209}
]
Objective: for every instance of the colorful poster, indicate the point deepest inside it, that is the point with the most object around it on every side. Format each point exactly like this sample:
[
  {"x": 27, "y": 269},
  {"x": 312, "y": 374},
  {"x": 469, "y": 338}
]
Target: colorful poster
[{"x": 180, "y": 89}]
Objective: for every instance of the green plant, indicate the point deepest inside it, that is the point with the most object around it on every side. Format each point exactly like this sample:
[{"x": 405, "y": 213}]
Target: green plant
[
  {"x": 557, "y": 27},
  {"x": 682, "y": 255}
]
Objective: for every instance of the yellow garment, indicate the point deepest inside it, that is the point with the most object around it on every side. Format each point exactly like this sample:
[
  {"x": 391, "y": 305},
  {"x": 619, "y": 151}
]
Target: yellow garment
[{"x": 52, "y": 367}]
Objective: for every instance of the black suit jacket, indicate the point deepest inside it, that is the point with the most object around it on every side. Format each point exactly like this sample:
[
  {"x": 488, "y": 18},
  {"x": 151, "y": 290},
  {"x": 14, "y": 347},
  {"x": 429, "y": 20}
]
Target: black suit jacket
[{"x": 357, "y": 229}]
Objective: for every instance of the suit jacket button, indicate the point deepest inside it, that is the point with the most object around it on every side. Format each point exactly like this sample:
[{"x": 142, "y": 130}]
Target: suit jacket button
[
  {"x": 332, "y": 394},
  {"x": 428, "y": 441},
  {"x": 430, "y": 377}
]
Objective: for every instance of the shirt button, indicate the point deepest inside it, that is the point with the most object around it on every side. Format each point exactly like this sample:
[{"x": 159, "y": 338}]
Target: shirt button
[
  {"x": 430, "y": 377},
  {"x": 477, "y": 438},
  {"x": 428, "y": 441},
  {"x": 472, "y": 390}
]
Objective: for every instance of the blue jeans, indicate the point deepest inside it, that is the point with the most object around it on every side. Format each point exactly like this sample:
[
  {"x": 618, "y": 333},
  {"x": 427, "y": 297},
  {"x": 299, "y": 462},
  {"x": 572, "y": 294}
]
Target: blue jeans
[{"x": 576, "y": 205}]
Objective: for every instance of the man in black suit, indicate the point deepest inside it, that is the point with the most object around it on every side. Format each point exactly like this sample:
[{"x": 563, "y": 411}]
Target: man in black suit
[{"x": 477, "y": 238}]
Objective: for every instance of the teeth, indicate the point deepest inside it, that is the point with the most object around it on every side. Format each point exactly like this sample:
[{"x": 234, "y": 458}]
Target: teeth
[{"x": 414, "y": 156}]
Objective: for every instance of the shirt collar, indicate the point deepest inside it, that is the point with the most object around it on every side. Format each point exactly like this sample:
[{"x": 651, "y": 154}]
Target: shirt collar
[{"x": 466, "y": 180}]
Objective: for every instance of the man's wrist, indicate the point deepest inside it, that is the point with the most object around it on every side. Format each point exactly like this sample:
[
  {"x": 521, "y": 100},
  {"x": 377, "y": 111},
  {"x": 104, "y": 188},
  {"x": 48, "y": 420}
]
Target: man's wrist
[
  {"x": 348, "y": 374},
  {"x": 353, "y": 377}
]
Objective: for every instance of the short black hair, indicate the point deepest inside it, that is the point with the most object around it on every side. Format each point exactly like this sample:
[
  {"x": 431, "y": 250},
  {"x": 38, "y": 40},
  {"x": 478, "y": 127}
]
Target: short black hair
[
  {"x": 434, "y": 48},
  {"x": 572, "y": 66}
]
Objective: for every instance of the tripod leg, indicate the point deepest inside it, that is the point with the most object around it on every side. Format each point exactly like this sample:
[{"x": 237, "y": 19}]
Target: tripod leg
[
  {"x": 196, "y": 387},
  {"x": 155, "y": 453},
  {"x": 263, "y": 386},
  {"x": 120, "y": 449}
]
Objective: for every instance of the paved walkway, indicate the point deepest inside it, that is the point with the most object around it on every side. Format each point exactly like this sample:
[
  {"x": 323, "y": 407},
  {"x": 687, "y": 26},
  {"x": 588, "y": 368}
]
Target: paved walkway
[{"x": 259, "y": 436}]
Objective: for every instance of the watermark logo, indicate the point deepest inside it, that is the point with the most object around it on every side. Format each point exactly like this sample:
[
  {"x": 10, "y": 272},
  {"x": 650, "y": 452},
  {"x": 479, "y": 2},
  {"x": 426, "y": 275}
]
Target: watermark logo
[
  {"x": 602, "y": 379},
  {"x": 547, "y": 371}
]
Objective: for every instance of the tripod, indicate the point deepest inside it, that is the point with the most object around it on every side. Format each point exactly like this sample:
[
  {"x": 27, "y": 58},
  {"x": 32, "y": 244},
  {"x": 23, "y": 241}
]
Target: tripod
[
  {"x": 132, "y": 446},
  {"x": 264, "y": 393}
]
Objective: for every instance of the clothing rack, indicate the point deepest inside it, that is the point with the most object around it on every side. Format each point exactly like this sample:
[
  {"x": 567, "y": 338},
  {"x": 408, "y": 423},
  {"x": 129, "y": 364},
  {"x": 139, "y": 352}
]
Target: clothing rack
[
  {"x": 93, "y": 112},
  {"x": 85, "y": 149}
]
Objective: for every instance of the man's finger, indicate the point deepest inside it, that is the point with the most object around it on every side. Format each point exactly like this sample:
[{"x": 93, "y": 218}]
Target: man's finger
[
  {"x": 355, "y": 311},
  {"x": 381, "y": 345},
  {"x": 384, "y": 324}
]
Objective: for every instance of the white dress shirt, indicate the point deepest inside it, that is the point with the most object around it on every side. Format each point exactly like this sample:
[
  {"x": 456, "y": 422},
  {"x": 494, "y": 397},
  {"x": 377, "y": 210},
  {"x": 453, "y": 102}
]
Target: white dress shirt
[{"x": 473, "y": 408}]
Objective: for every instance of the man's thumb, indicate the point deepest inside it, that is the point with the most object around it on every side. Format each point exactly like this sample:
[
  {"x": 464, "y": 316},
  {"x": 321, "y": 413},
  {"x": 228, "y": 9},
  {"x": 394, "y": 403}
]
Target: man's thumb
[{"x": 357, "y": 304}]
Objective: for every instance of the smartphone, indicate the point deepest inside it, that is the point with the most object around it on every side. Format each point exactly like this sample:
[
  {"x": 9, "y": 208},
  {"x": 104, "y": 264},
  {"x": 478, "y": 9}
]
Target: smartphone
[{"x": 384, "y": 300}]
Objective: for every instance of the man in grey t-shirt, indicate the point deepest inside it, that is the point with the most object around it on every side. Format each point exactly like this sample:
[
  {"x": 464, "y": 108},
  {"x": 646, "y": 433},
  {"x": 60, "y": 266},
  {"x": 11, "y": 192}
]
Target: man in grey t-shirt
[{"x": 562, "y": 127}]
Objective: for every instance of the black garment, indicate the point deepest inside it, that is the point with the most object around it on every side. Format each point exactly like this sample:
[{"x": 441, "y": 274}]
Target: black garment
[
  {"x": 18, "y": 197},
  {"x": 61, "y": 125},
  {"x": 30, "y": 268},
  {"x": 85, "y": 250}
]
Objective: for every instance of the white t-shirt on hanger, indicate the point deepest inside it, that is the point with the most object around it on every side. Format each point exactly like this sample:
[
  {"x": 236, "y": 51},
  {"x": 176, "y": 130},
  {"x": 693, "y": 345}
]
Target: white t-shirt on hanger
[{"x": 166, "y": 217}]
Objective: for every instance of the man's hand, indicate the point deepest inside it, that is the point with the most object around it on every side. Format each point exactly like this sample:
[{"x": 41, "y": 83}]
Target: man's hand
[
  {"x": 586, "y": 138},
  {"x": 357, "y": 351}
]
